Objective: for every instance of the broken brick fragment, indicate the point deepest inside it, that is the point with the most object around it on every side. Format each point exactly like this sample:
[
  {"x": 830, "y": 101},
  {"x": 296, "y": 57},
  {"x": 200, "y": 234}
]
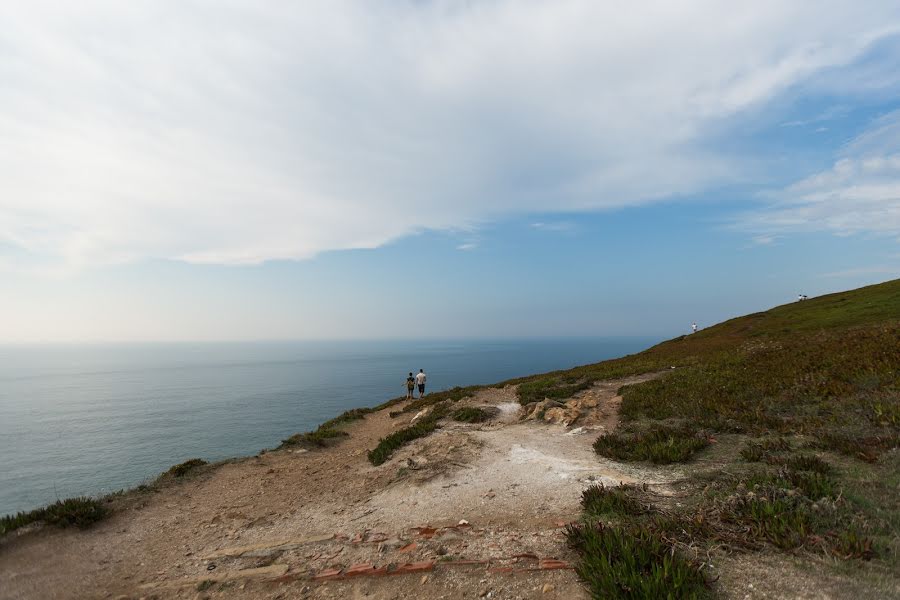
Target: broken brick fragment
[
  {"x": 360, "y": 569},
  {"x": 327, "y": 574},
  {"x": 547, "y": 564},
  {"x": 416, "y": 567}
]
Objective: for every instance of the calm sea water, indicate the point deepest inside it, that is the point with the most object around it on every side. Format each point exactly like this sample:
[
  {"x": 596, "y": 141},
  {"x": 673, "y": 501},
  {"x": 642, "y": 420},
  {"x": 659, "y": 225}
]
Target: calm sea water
[{"x": 97, "y": 418}]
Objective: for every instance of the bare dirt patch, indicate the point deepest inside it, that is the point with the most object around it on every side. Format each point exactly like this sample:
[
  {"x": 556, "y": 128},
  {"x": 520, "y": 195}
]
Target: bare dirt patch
[{"x": 471, "y": 509}]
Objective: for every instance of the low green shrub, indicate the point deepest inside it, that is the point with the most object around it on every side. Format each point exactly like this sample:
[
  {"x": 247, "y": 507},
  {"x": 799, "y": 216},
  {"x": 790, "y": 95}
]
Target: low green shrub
[
  {"x": 807, "y": 462},
  {"x": 763, "y": 449},
  {"x": 552, "y": 388},
  {"x": 471, "y": 414},
  {"x": 600, "y": 500},
  {"x": 660, "y": 444},
  {"x": 391, "y": 442},
  {"x": 313, "y": 439},
  {"x": 79, "y": 512},
  {"x": 182, "y": 469},
  {"x": 771, "y": 514},
  {"x": 634, "y": 563},
  {"x": 349, "y": 416},
  {"x": 452, "y": 395}
]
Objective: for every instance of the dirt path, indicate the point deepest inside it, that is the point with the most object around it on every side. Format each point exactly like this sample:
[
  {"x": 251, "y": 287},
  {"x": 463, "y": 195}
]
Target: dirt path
[{"x": 472, "y": 510}]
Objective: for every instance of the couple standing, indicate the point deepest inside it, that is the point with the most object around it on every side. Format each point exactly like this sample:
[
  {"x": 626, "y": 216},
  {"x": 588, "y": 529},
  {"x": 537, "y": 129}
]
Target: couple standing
[{"x": 412, "y": 382}]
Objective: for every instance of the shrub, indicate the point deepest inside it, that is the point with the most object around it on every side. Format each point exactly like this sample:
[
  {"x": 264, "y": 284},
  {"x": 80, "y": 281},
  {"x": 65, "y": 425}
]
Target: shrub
[
  {"x": 180, "y": 470},
  {"x": 452, "y": 395},
  {"x": 660, "y": 444},
  {"x": 618, "y": 562},
  {"x": 391, "y": 442},
  {"x": 313, "y": 439},
  {"x": 763, "y": 449},
  {"x": 554, "y": 388},
  {"x": 808, "y": 462},
  {"x": 770, "y": 514},
  {"x": 79, "y": 512},
  {"x": 600, "y": 500},
  {"x": 471, "y": 414},
  {"x": 353, "y": 414}
]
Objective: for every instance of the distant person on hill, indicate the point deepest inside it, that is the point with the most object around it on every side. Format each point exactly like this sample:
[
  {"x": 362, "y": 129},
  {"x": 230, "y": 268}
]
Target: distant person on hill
[
  {"x": 420, "y": 381},
  {"x": 694, "y": 327},
  {"x": 410, "y": 385}
]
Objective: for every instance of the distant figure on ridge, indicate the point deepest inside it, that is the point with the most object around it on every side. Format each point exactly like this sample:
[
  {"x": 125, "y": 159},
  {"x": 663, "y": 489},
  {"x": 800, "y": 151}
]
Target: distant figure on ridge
[
  {"x": 410, "y": 385},
  {"x": 801, "y": 297},
  {"x": 420, "y": 381},
  {"x": 694, "y": 327}
]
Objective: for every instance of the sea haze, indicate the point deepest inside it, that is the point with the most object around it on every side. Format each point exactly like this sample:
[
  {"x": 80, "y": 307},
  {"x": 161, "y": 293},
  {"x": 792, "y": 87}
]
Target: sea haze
[{"x": 91, "y": 419}]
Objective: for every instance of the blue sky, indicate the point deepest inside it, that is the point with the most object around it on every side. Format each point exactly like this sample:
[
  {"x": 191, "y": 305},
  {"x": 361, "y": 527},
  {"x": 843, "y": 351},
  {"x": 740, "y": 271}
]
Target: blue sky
[{"x": 183, "y": 171}]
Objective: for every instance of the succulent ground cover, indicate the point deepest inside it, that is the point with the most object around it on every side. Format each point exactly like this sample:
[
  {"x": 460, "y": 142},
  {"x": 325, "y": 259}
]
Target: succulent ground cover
[{"x": 810, "y": 394}]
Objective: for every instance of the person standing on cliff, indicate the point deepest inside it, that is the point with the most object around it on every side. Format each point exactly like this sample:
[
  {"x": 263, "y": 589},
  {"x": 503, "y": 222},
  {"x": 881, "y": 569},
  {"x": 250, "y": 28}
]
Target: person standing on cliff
[
  {"x": 410, "y": 386},
  {"x": 420, "y": 381}
]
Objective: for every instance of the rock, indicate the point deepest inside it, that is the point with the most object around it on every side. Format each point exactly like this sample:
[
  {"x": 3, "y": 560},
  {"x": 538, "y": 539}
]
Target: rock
[
  {"x": 463, "y": 522},
  {"x": 548, "y": 587},
  {"x": 424, "y": 579}
]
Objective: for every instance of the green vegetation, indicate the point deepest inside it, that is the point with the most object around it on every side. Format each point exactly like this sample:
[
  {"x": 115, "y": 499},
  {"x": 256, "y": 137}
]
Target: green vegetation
[
  {"x": 452, "y": 395},
  {"x": 621, "y": 562},
  {"x": 811, "y": 393},
  {"x": 425, "y": 426},
  {"x": 660, "y": 444},
  {"x": 327, "y": 432},
  {"x": 79, "y": 512},
  {"x": 318, "y": 438},
  {"x": 182, "y": 469},
  {"x": 600, "y": 500},
  {"x": 471, "y": 414}
]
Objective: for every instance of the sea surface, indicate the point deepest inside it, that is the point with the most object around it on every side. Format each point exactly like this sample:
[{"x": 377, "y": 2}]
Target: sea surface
[{"x": 92, "y": 419}]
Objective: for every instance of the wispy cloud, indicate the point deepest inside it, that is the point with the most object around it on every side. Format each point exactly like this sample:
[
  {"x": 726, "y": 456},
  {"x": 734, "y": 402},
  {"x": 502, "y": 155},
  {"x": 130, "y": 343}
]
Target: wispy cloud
[
  {"x": 467, "y": 246},
  {"x": 242, "y": 132},
  {"x": 555, "y": 226},
  {"x": 860, "y": 193}
]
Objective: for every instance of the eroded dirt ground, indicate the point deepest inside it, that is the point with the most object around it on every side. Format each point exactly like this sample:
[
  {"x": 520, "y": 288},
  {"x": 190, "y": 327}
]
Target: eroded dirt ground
[{"x": 471, "y": 511}]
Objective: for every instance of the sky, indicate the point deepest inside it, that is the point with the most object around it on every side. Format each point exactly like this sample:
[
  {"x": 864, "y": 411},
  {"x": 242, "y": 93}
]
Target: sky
[{"x": 337, "y": 169}]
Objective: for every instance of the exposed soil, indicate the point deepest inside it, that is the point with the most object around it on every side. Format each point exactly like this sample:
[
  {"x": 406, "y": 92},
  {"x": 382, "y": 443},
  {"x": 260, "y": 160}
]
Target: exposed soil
[
  {"x": 494, "y": 495},
  {"x": 470, "y": 511}
]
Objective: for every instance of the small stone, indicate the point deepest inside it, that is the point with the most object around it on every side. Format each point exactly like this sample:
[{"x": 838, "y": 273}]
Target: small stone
[
  {"x": 548, "y": 587},
  {"x": 424, "y": 579}
]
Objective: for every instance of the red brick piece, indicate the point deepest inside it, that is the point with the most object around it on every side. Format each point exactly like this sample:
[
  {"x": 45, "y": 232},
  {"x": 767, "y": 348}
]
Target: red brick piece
[
  {"x": 426, "y": 532},
  {"x": 547, "y": 564},
  {"x": 408, "y": 547},
  {"x": 416, "y": 567},
  {"x": 361, "y": 569},
  {"x": 327, "y": 574}
]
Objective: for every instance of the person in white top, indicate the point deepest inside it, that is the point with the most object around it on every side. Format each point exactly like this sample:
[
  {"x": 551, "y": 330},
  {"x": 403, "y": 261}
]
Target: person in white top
[
  {"x": 420, "y": 381},
  {"x": 694, "y": 327}
]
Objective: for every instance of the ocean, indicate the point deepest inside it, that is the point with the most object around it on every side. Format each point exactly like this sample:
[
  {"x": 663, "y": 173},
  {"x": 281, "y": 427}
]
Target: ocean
[{"x": 93, "y": 419}]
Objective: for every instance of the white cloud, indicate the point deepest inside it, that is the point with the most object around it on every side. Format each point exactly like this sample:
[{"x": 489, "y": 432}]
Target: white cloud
[
  {"x": 860, "y": 193},
  {"x": 239, "y": 132},
  {"x": 554, "y": 226}
]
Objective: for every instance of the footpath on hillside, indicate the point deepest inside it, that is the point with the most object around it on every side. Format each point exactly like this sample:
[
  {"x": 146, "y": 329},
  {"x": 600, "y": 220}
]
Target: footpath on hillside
[{"x": 473, "y": 510}]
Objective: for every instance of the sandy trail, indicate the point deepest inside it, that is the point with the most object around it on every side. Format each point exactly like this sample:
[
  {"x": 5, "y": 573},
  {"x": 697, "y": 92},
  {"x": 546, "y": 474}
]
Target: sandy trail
[{"x": 293, "y": 516}]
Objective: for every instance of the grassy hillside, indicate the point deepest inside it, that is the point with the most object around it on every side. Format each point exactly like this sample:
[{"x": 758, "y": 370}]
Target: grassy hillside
[{"x": 802, "y": 404}]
